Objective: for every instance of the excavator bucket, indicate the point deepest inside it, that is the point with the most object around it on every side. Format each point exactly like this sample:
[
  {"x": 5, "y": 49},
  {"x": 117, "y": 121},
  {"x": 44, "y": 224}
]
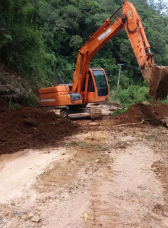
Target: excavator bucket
[{"x": 157, "y": 78}]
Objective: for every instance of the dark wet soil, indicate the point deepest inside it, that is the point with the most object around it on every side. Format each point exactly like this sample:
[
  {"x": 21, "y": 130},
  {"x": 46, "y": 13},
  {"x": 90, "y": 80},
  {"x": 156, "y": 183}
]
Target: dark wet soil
[
  {"x": 34, "y": 128},
  {"x": 31, "y": 128},
  {"x": 151, "y": 114}
]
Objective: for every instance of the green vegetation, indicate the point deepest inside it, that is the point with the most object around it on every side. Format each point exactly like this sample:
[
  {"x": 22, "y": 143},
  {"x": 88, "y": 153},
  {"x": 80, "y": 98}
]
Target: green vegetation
[
  {"x": 133, "y": 94},
  {"x": 38, "y": 37},
  {"x": 120, "y": 111}
]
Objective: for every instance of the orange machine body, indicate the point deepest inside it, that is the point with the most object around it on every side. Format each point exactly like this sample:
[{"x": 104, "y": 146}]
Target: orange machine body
[
  {"x": 94, "y": 89},
  {"x": 79, "y": 91}
]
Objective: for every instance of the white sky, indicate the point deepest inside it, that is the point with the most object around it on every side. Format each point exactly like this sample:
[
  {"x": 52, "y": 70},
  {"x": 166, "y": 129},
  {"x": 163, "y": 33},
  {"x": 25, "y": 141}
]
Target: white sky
[{"x": 165, "y": 1}]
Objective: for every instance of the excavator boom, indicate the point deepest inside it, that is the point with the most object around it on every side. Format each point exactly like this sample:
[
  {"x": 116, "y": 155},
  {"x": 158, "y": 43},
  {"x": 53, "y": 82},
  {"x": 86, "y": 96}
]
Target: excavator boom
[{"x": 156, "y": 76}]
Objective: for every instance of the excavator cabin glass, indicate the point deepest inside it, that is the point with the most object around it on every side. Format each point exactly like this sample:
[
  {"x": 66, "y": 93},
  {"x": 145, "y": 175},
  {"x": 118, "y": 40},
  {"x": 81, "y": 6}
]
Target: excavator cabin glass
[{"x": 101, "y": 83}]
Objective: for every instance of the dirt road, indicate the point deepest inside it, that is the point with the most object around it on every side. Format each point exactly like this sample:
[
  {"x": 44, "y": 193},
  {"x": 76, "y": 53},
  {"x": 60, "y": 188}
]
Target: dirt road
[{"x": 104, "y": 175}]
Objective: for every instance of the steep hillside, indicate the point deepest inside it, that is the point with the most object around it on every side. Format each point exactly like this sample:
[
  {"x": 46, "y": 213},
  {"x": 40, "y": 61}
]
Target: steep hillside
[{"x": 14, "y": 91}]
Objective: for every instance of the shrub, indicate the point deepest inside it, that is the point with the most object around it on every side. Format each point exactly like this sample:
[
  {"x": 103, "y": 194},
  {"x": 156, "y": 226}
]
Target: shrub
[{"x": 131, "y": 95}]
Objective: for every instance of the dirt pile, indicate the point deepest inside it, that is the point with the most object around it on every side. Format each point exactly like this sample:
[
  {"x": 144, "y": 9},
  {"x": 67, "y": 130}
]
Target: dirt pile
[
  {"x": 31, "y": 128},
  {"x": 152, "y": 114}
]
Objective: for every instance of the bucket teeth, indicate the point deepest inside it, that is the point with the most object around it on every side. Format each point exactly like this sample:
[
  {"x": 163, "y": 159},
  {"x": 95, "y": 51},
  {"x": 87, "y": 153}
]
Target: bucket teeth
[{"x": 157, "y": 78}]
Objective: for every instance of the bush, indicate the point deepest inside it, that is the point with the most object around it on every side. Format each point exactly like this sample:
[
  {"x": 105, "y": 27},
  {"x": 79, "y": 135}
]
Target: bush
[{"x": 131, "y": 95}]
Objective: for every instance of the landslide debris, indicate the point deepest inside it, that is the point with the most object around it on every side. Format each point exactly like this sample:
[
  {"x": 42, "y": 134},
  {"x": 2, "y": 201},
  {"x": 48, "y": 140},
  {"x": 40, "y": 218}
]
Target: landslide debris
[
  {"x": 34, "y": 128},
  {"x": 14, "y": 90},
  {"x": 137, "y": 113},
  {"x": 31, "y": 128}
]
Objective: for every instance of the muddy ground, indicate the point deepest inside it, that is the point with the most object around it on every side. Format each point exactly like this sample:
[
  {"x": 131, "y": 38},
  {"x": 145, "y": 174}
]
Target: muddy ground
[{"x": 72, "y": 174}]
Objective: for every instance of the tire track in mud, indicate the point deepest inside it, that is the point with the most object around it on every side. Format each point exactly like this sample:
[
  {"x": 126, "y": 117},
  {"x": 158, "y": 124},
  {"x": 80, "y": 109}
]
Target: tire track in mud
[
  {"x": 105, "y": 174},
  {"x": 128, "y": 194}
]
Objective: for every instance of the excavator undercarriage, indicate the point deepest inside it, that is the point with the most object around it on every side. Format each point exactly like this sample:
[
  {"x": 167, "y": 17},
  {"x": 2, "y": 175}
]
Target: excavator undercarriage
[{"x": 75, "y": 112}]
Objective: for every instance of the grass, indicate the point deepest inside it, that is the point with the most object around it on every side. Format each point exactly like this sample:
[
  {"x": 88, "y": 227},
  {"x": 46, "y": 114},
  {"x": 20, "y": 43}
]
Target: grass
[{"x": 120, "y": 111}]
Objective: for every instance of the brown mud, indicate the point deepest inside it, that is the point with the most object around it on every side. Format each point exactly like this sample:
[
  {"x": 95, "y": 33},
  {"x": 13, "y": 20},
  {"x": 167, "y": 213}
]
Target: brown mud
[
  {"x": 108, "y": 173},
  {"x": 33, "y": 128},
  {"x": 141, "y": 113}
]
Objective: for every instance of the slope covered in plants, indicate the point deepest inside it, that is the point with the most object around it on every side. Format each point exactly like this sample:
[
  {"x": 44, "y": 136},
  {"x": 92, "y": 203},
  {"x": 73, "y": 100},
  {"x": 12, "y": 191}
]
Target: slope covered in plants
[{"x": 38, "y": 37}]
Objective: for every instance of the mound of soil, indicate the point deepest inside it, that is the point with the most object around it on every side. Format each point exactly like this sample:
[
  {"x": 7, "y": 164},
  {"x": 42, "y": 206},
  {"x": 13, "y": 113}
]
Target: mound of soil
[
  {"x": 152, "y": 114},
  {"x": 31, "y": 128}
]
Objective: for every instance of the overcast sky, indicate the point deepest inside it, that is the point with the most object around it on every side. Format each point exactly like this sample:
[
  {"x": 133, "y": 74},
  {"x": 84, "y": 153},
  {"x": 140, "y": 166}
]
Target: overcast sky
[{"x": 166, "y": 1}]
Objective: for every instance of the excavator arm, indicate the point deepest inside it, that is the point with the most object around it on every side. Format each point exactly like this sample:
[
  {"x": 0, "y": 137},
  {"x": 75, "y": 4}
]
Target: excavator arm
[{"x": 157, "y": 77}]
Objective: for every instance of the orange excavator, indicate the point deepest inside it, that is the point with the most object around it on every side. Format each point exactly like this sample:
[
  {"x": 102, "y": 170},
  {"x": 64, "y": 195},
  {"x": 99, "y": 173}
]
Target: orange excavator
[{"x": 90, "y": 85}]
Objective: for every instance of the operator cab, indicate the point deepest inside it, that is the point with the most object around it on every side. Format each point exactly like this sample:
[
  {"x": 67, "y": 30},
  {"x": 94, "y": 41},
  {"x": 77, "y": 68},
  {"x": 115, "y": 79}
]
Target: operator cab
[
  {"x": 101, "y": 82},
  {"x": 97, "y": 88}
]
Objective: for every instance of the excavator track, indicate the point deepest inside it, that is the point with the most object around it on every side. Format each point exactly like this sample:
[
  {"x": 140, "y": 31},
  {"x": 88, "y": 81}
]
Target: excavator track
[{"x": 94, "y": 112}]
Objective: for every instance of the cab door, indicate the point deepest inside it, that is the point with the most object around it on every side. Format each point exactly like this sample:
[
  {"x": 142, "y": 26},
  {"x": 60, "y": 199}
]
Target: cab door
[{"x": 98, "y": 89}]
